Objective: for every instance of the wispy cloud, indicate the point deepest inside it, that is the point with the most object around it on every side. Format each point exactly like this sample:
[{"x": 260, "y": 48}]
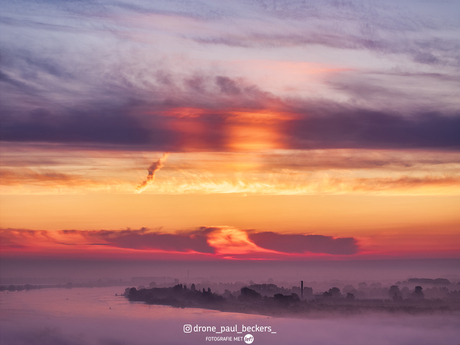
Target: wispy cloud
[
  {"x": 234, "y": 77},
  {"x": 26, "y": 176},
  {"x": 86, "y": 94},
  {"x": 305, "y": 184},
  {"x": 45, "y": 170}
]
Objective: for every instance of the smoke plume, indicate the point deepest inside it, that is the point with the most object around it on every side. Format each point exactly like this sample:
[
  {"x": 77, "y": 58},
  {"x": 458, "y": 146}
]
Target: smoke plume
[{"x": 151, "y": 175}]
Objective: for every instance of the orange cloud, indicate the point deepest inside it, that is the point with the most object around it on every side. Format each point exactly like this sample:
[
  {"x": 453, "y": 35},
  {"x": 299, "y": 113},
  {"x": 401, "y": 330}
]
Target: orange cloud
[
  {"x": 44, "y": 178},
  {"x": 255, "y": 131},
  {"x": 267, "y": 172},
  {"x": 231, "y": 241},
  {"x": 233, "y": 129}
]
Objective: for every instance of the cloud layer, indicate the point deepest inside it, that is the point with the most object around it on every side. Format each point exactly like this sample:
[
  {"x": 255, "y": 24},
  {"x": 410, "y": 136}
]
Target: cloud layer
[
  {"x": 45, "y": 169},
  {"x": 187, "y": 77},
  {"x": 305, "y": 243},
  {"x": 219, "y": 242},
  {"x": 293, "y": 126}
]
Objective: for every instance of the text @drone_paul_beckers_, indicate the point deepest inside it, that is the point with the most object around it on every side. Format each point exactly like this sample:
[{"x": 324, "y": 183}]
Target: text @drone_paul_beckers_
[{"x": 239, "y": 329}]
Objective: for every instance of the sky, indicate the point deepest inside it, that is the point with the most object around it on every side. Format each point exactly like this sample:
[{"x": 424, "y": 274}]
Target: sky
[{"x": 230, "y": 130}]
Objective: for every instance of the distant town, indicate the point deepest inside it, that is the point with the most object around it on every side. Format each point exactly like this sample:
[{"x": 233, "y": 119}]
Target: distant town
[
  {"x": 412, "y": 296},
  {"x": 269, "y": 299}
]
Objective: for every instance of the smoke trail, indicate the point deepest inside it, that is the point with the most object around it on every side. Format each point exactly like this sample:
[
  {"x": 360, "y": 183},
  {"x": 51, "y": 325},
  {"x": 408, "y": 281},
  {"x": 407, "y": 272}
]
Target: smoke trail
[{"x": 152, "y": 170}]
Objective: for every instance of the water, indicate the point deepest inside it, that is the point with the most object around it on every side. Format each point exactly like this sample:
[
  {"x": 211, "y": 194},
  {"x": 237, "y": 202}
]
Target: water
[{"x": 95, "y": 316}]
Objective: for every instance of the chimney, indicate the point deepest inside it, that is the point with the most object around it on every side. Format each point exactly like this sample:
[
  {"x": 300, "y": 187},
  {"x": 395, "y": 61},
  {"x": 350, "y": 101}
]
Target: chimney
[{"x": 301, "y": 289}]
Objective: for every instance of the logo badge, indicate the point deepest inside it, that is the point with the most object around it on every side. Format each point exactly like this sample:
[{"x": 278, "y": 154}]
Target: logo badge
[{"x": 248, "y": 338}]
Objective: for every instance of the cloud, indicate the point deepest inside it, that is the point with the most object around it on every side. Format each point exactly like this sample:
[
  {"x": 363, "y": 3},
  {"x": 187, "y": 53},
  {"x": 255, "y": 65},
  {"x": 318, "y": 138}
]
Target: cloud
[
  {"x": 33, "y": 169},
  {"x": 297, "y": 183},
  {"x": 410, "y": 92},
  {"x": 300, "y": 244},
  {"x": 143, "y": 239},
  {"x": 344, "y": 159},
  {"x": 339, "y": 126},
  {"x": 43, "y": 178},
  {"x": 348, "y": 26},
  {"x": 125, "y": 119},
  {"x": 303, "y": 125},
  {"x": 221, "y": 242},
  {"x": 93, "y": 125},
  {"x": 405, "y": 183},
  {"x": 151, "y": 175},
  {"x": 134, "y": 105},
  {"x": 231, "y": 241},
  {"x": 128, "y": 101},
  {"x": 429, "y": 51}
]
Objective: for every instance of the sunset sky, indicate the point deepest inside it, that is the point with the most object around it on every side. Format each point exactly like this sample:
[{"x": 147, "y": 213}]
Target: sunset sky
[{"x": 230, "y": 130}]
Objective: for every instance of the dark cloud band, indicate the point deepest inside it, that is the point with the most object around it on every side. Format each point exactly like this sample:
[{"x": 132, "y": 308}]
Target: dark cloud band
[
  {"x": 300, "y": 244},
  {"x": 186, "y": 241},
  {"x": 310, "y": 127}
]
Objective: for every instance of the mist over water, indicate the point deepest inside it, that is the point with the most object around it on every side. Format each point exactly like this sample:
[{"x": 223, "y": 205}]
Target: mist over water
[
  {"x": 63, "y": 271},
  {"x": 97, "y": 317}
]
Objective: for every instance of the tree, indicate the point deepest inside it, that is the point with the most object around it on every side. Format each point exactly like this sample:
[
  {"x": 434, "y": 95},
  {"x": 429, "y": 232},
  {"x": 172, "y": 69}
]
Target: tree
[
  {"x": 418, "y": 293},
  {"x": 395, "y": 294},
  {"x": 335, "y": 292},
  {"x": 249, "y": 294}
]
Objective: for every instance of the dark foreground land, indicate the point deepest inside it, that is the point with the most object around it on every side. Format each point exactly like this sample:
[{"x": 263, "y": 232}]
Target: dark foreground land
[{"x": 263, "y": 299}]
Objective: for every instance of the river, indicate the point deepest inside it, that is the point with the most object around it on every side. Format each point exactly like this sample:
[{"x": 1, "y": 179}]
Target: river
[{"x": 96, "y": 316}]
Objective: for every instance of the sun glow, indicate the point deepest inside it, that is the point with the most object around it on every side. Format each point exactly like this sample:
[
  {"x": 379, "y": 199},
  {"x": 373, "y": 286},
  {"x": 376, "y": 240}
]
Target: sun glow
[{"x": 233, "y": 241}]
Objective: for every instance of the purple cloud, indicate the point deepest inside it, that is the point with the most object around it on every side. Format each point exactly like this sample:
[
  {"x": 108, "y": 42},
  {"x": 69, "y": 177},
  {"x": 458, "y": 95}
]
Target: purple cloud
[
  {"x": 183, "y": 241},
  {"x": 300, "y": 244}
]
